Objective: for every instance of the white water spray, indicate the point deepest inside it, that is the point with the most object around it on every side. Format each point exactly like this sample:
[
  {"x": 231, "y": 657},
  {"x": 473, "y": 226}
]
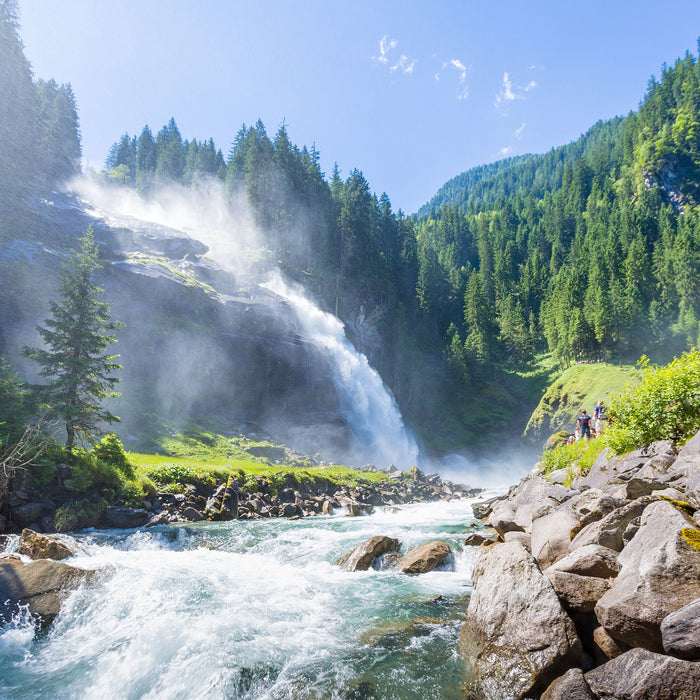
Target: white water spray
[{"x": 371, "y": 411}]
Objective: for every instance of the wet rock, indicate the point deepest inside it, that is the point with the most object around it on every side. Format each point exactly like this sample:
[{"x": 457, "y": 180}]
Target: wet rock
[
  {"x": 124, "y": 518},
  {"x": 424, "y": 558},
  {"x": 680, "y": 632},
  {"x": 590, "y": 560},
  {"x": 475, "y": 539},
  {"x": 578, "y": 594},
  {"x": 571, "y": 686},
  {"x": 640, "y": 674},
  {"x": 40, "y": 585},
  {"x": 364, "y": 555},
  {"x": 517, "y": 638},
  {"x": 37, "y": 546},
  {"x": 660, "y": 574},
  {"x": 327, "y": 507},
  {"x": 483, "y": 508},
  {"x": 158, "y": 519}
]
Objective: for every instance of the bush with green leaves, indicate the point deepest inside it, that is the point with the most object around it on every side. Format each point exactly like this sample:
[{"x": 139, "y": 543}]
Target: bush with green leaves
[
  {"x": 578, "y": 456},
  {"x": 111, "y": 451},
  {"x": 664, "y": 405}
]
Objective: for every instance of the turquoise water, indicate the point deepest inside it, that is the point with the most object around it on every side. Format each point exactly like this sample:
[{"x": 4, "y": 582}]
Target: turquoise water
[{"x": 253, "y": 609}]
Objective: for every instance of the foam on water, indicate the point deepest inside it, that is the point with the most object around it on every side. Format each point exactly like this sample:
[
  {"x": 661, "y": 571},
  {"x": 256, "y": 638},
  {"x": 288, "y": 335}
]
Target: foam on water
[{"x": 250, "y": 610}]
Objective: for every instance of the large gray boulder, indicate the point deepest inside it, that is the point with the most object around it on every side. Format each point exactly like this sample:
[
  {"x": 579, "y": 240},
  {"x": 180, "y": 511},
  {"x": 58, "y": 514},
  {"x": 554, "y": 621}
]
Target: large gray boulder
[
  {"x": 515, "y": 511},
  {"x": 608, "y": 531},
  {"x": 577, "y": 594},
  {"x": 684, "y": 474},
  {"x": 123, "y": 518},
  {"x": 660, "y": 574},
  {"x": 640, "y": 674},
  {"x": 363, "y": 556},
  {"x": 424, "y": 558},
  {"x": 551, "y": 534},
  {"x": 680, "y": 632},
  {"x": 590, "y": 560},
  {"x": 40, "y": 585},
  {"x": 517, "y": 638}
]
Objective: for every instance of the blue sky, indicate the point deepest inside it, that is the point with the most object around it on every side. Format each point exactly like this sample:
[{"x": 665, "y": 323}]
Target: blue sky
[{"x": 411, "y": 93}]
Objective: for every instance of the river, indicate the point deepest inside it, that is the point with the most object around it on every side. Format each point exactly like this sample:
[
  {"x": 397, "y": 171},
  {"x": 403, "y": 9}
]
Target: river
[{"x": 252, "y": 609}]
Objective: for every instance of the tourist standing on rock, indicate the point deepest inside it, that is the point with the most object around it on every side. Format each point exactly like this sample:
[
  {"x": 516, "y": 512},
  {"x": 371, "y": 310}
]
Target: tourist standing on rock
[
  {"x": 584, "y": 423},
  {"x": 600, "y": 417}
]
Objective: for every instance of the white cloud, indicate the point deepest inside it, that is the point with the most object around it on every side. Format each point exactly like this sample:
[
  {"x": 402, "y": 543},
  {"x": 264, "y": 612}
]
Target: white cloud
[
  {"x": 404, "y": 65},
  {"x": 385, "y": 45},
  {"x": 506, "y": 150},
  {"x": 462, "y": 70},
  {"x": 519, "y": 131},
  {"x": 511, "y": 92}
]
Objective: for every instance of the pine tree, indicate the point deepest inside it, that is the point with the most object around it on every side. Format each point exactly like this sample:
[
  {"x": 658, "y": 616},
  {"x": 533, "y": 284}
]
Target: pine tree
[{"x": 76, "y": 337}]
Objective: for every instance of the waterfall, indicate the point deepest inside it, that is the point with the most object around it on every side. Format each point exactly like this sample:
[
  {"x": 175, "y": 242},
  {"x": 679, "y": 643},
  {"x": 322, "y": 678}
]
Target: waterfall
[{"x": 374, "y": 418}]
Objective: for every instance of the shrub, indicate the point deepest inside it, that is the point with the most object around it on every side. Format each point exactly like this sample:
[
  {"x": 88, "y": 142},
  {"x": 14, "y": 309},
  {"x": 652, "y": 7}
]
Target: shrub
[
  {"x": 76, "y": 515},
  {"x": 577, "y": 457},
  {"x": 665, "y": 405},
  {"x": 111, "y": 451}
]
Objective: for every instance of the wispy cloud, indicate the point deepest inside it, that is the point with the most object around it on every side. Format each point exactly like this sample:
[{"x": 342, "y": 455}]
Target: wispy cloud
[
  {"x": 505, "y": 151},
  {"x": 404, "y": 64},
  {"x": 462, "y": 70},
  {"x": 510, "y": 91},
  {"x": 519, "y": 131},
  {"x": 385, "y": 45}
]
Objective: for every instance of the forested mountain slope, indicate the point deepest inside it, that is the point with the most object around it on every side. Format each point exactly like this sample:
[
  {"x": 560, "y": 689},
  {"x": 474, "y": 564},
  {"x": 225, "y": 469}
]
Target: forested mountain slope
[{"x": 589, "y": 251}]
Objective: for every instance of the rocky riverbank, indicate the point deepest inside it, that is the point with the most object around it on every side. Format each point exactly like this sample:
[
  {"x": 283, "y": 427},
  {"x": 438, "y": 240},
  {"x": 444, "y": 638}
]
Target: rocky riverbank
[
  {"x": 230, "y": 501},
  {"x": 592, "y": 590}
]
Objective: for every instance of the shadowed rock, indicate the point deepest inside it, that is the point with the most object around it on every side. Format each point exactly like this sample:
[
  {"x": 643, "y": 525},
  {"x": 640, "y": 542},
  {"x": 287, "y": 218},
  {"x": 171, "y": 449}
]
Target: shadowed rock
[
  {"x": 640, "y": 674},
  {"x": 680, "y": 632},
  {"x": 571, "y": 686}
]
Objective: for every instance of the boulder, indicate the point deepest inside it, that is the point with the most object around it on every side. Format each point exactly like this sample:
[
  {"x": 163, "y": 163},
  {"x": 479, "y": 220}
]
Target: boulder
[
  {"x": 684, "y": 474},
  {"x": 424, "y": 558},
  {"x": 571, "y": 686},
  {"x": 40, "y": 585},
  {"x": 608, "y": 531},
  {"x": 26, "y": 514},
  {"x": 522, "y": 537},
  {"x": 515, "y": 511},
  {"x": 590, "y": 560},
  {"x": 551, "y": 535},
  {"x": 192, "y": 514},
  {"x": 474, "y": 539},
  {"x": 124, "y": 518},
  {"x": 640, "y": 674},
  {"x": 660, "y": 574},
  {"x": 517, "y": 638},
  {"x": 363, "y": 556},
  {"x": 680, "y": 632},
  {"x": 37, "y": 546},
  {"x": 578, "y": 594}
]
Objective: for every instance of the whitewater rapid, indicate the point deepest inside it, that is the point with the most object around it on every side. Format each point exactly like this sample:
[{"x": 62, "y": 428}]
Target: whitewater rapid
[{"x": 253, "y": 609}]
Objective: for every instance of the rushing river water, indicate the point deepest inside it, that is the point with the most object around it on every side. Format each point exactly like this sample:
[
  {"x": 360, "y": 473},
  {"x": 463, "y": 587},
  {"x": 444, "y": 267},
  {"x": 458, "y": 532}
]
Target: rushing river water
[{"x": 252, "y": 609}]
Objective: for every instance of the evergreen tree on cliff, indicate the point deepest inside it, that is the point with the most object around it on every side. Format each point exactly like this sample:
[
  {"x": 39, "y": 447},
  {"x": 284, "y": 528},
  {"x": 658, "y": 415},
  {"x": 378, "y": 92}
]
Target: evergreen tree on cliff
[{"x": 77, "y": 336}]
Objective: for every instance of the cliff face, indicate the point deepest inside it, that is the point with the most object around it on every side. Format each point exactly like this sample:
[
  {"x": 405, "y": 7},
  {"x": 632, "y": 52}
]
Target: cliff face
[{"x": 199, "y": 342}]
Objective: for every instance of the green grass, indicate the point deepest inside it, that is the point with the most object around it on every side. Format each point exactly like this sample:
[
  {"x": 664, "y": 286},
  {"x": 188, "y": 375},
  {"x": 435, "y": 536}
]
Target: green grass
[
  {"x": 580, "y": 386},
  {"x": 205, "y": 457}
]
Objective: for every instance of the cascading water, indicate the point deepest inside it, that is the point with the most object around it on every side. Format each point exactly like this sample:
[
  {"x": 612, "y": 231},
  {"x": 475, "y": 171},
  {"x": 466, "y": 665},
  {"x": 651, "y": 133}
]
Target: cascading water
[
  {"x": 251, "y": 609},
  {"x": 372, "y": 413}
]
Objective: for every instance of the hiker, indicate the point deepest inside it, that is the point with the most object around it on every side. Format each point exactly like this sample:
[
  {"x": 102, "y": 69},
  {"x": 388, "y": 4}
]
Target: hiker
[
  {"x": 600, "y": 416},
  {"x": 584, "y": 423}
]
